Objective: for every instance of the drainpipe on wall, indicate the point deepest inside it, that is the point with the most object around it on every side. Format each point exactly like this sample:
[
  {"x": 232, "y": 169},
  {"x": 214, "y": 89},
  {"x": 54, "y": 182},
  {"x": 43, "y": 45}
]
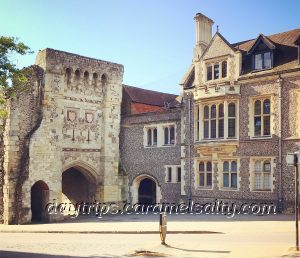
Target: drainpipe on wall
[
  {"x": 280, "y": 82},
  {"x": 190, "y": 140}
]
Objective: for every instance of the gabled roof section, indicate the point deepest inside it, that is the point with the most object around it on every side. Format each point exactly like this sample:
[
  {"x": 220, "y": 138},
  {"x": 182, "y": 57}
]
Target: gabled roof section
[
  {"x": 188, "y": 78},
  {"x": 286, "y": 38},
  {"x": 150, "y": 97},
  {"x": 217, "y": 34},
  {"x": 265, "y": 40}
]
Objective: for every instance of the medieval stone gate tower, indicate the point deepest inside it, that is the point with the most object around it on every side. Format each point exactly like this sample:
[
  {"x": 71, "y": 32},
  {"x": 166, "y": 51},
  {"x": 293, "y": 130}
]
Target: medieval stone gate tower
[{"x": 61, "y": 139}]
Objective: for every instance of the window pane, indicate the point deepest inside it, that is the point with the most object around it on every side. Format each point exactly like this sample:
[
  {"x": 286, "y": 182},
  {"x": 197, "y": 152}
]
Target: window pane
[
  {"x": 233, "y": 166},
  {"x": 231, "y": 110},
  {"x": 257, "y": 166},
  {"x": 172, "y": 135},
  {"x": 267, "y": 60},
  {"x": 221, "y": 128},
  {"x": 267, "y": 181},
  {"x": 155, "y": 137},
  {"x": 166, "y": 135},
  {"x": 216, "y": 71},
  {"x": 213, "y": 131},
  {"x": 213, "y": 111},
  {"x": 178, "y": 174},
  {"x": 201, "y": 179},
  {"x": 206, "y": 112},
  {"x": 226, "y": 180},
  {"x": 226, "y": 166},
  {"x": 231, "y": 127},
  {"x": 267, "y": 125},
  {"x": 206, "y": 129},
  {"x": 224, "y": 69},
  {"x": 266, "y": 107},
  {"x": 267, "y": 166},
  {"x": 149, "y": 137},
  {"x": 209, "y": 72},
  {"x": 201, "y": 166},
  {"x": 234, "y": 180},
  {"x": 257, "y": 126},
  {"x": 169, "y": 174},
  {"x": 209, "y": 179},
  {"x": 221, "y": 110},
  {"x": 257, "y": 107},
  {"x": 208, "y": 166},
  {"x": 258, "y": 62},
  {"x": 257, "y": 181}
]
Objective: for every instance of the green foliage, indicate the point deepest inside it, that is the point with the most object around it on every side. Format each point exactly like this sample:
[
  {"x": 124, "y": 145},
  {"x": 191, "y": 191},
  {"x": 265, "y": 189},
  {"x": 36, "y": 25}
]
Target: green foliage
[{"x": 12, "y": 79}]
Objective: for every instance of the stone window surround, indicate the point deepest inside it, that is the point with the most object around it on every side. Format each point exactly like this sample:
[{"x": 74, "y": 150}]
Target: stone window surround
[
  {"x": 220, "y": 174},
  {"x": 160, "y": 135},
  {"x": 199, "y": 118},
  {"x": 212, "y": 63},
  {"x": 252, "y": 100},
  {"x": 197, "y": 174},
  {"x": 174, "y": 173},
  {"x": 253, "y": 159}
]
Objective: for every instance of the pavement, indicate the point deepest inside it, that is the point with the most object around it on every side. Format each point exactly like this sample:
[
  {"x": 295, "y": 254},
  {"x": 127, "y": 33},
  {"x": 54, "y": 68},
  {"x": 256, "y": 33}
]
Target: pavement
[{"x": 137, "y": 235}]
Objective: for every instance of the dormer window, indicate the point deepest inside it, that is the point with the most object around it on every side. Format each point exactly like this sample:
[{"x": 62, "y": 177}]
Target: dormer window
[
  {"x": 263, "y": 61},
  {"x": 216, "y": 71},
  {"x": 262, "y": 53}
]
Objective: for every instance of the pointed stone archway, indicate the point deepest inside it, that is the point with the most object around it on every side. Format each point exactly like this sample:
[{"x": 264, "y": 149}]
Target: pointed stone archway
[{"x": 79, "y": 183}]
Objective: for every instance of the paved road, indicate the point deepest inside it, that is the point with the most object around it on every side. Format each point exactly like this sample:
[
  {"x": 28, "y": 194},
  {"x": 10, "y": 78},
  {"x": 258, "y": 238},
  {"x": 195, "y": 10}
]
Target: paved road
[{"x": 244, "y": 237}]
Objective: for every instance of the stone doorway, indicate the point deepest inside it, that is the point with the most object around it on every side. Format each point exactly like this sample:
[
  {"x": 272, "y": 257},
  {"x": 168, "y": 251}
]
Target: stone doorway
[
  {"x": 147, "y": 191},
  {"x": 39, "y": 201}
]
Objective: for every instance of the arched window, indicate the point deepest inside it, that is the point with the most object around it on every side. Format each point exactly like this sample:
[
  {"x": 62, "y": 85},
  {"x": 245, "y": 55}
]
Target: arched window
[
  {"x": 149, "y": 135},
  {"x": 86, "y": 76},
  {"x": 231, "y": 120},
  {"x": 224, "y": 69},
  {"x": 154, "y": 136},
  {"x": 95, "y": 78},
  {"x": 266, "y": 117},
  {"x": 103, "y": 79},
  {"x": 68, "y": 75},
  {"x": 213, "y": 129},
  {"x": 262, "y": 118},
  {"x": 77, "y": 74},
  {"x": 166, "y": 135},
  {"x": 226, "y": 174},
  {"x": 221, "y": 121},
  {"x": 206, "y": 122}
]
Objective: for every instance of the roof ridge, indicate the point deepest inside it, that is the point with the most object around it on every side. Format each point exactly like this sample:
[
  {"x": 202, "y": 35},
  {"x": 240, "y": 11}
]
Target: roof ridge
[{"x": 125, "y": 85}]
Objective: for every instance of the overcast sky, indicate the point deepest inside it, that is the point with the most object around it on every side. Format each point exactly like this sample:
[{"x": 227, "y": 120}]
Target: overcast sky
[{"x": 153, "y": 39}]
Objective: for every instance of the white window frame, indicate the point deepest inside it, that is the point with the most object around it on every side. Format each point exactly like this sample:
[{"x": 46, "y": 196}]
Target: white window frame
[
  {"x": 261, "y": 173},
  {"x": 221, "y": 173}
]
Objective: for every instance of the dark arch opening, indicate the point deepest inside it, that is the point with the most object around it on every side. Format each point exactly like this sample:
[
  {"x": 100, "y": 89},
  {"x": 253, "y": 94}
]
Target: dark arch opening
[
  {"x": 76, "y": 187},
  {"x": 147, "y": 191},
  {"x": 39, "y": 201}
]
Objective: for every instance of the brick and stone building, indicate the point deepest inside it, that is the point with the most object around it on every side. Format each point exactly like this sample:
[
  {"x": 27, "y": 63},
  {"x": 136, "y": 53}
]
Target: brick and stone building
[{"x": 77, "y": 134}]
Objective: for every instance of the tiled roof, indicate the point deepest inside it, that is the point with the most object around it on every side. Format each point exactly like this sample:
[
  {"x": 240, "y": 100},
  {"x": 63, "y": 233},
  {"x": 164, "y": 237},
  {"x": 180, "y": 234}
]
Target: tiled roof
[
  {"x": 286, "y": 38},
  {"x": 149, "y": 97},
  {"x": 285, "y": 52}
]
